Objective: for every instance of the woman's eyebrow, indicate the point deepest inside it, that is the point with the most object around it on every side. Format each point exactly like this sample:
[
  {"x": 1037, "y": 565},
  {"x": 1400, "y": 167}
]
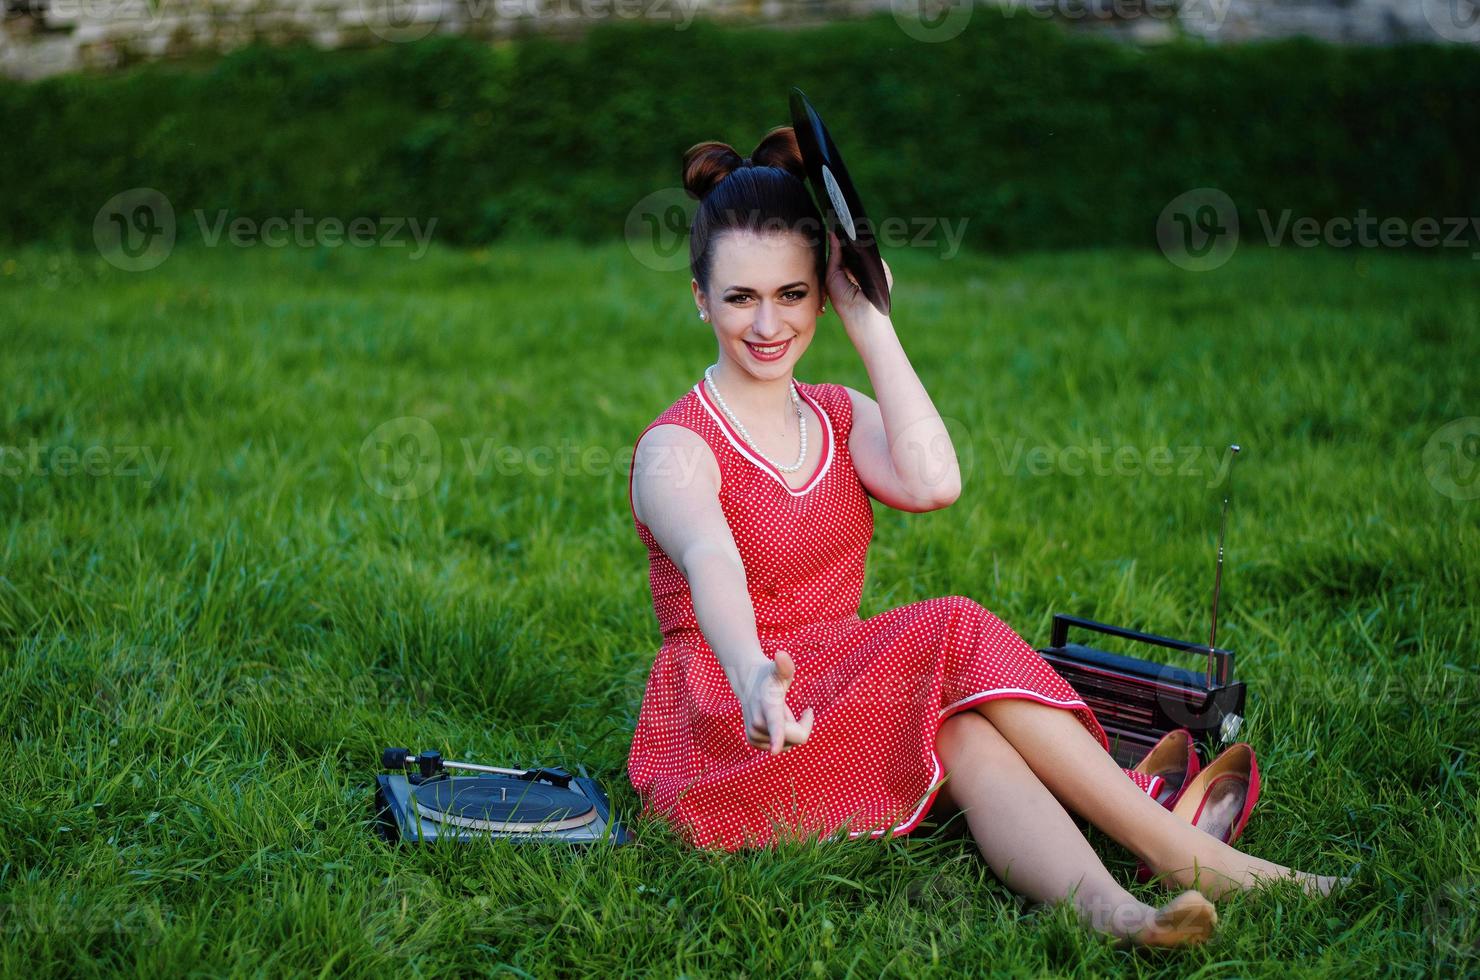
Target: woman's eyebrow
[{"x": 747, "y": 289}]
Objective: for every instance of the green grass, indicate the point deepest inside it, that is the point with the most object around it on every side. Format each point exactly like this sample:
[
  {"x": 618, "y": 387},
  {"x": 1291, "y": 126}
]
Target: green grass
[{"x": 204, "y": 656}]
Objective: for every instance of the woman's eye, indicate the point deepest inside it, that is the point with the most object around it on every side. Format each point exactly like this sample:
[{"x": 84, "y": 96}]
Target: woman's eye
[{"x": 792, "y": 294}]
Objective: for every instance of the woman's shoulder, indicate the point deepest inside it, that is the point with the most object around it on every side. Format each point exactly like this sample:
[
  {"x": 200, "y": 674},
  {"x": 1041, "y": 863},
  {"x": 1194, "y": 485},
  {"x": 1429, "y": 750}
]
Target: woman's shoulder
[
  {"x": 684, "y": 406},
  {"x": 680, "y": 435},
  {"x": 835, "y": 399},
  {"x": 825, "y": 390},
  {"x": 686, "y": 412}
]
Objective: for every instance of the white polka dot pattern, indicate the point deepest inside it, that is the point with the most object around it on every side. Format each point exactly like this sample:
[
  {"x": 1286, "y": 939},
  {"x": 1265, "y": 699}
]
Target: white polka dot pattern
[{"x": 879, "y": 688}]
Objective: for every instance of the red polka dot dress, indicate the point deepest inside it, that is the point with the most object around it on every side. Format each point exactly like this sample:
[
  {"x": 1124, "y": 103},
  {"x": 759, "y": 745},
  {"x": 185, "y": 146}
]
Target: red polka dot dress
[{"x": 879, "y": 687}]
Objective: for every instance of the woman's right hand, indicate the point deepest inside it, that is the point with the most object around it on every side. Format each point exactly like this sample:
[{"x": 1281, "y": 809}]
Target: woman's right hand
[{"x": 768, "y": 719}]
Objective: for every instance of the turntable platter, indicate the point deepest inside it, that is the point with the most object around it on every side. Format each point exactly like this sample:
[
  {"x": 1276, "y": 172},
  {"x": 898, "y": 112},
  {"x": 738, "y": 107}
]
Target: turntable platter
[{"x": 502, "y": 804}]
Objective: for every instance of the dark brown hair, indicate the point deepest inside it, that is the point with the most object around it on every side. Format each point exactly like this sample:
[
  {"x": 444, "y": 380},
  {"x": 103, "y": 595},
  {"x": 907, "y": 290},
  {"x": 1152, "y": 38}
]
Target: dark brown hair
[{"x": 765, "y": 191}]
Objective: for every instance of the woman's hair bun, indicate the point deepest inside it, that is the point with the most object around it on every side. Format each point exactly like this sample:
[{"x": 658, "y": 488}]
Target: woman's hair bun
[
  {"x": 706, "y": 164},
  {"x": 768, "y": 194}
]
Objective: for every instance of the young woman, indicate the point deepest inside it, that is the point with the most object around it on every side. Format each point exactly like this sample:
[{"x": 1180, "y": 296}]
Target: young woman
[{"x": 772, "y": 707}]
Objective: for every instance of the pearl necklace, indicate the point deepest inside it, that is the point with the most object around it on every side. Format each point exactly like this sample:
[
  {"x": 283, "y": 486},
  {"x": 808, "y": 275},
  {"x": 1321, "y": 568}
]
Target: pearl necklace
[{"x": 795, "y": 402}]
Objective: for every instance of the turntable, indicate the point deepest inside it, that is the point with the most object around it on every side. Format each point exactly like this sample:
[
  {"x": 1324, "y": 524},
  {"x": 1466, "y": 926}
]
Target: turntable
[{"x": 424, "y": 800}]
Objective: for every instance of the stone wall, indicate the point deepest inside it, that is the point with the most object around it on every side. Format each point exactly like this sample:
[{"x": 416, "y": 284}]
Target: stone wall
[
  {"x": 1338, "y": 21},
  {"x": 44, "y": 37}
]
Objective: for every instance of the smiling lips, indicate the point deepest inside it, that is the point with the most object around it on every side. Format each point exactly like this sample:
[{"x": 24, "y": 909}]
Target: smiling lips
[{"x": 770, "y": 352}]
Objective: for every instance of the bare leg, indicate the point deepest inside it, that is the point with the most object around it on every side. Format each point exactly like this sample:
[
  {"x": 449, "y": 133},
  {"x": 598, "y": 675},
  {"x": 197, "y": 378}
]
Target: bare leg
[
  {"x": 1032, "y": 844},
  {"x": 1071, "y": 763}
]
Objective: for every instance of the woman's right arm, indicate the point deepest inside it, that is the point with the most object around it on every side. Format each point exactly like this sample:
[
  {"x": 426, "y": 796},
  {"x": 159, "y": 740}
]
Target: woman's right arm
[{"x": 675, "y": 493}]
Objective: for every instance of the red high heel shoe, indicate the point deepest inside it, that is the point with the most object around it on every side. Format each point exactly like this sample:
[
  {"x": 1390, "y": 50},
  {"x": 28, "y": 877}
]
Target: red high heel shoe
[
  {"x": 1221, "y": 797},
  {"x": 1174, "y": 761}
]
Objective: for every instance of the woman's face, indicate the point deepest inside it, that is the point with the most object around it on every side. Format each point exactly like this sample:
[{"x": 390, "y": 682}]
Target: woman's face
[{"x": 763, "y": 293}]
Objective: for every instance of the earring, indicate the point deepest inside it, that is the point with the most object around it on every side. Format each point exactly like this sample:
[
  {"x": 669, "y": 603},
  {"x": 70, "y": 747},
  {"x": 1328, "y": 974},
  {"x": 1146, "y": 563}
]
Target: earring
[
  {"x": 703, "y": 315},
  {"x": 823, "y": 310}
]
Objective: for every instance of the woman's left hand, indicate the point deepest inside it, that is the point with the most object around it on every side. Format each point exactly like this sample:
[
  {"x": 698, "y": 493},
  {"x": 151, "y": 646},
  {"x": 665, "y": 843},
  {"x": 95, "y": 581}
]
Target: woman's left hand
[{"x": 846, "y": 296}]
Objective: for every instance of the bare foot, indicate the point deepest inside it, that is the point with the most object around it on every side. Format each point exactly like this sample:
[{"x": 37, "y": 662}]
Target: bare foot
[
  {"x": 1320, "y": 885},
  {"x": 1215, "y": 883},
  {"x": 1186, "y": 920}
]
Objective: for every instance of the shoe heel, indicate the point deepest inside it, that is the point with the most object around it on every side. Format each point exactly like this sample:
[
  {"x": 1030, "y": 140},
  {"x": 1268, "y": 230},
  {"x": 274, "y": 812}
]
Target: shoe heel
[
  {"x": 1236, "y": 765},
  {"x": 1236, "y": 769},
  {"x": 1173, "y": 759}
]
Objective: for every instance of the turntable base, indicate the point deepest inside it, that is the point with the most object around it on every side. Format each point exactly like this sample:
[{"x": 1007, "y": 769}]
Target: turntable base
[
  {"x": 470, "y": 808},
  {"x": 502, "y": 804}
]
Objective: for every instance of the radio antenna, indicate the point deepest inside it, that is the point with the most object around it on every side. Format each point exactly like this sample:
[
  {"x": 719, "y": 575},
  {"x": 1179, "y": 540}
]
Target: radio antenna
[{"x": 1218, "y": 571}]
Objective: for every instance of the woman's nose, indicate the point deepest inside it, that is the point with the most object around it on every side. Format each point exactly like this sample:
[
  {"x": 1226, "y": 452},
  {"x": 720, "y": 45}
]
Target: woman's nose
[{"x": 767, "y": 320}]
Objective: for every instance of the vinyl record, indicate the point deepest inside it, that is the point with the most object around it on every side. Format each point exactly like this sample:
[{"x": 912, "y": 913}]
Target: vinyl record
[
  {"x": 498, "y": 803},
  {"x": 842, "y": 207}
]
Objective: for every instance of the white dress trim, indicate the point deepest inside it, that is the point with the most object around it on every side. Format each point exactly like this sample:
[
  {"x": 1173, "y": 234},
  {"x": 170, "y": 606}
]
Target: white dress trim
[
  {"x": 914, "y": 818},
  {"x": 748, "y": 453}
]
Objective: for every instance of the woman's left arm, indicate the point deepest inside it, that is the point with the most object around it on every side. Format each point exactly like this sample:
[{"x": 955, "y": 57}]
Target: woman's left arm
[{"x": 899, "y": 444}]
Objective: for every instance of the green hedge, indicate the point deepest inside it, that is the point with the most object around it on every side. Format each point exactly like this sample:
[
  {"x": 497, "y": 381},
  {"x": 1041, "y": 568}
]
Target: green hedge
[{"x": 1038, "y": 138}]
